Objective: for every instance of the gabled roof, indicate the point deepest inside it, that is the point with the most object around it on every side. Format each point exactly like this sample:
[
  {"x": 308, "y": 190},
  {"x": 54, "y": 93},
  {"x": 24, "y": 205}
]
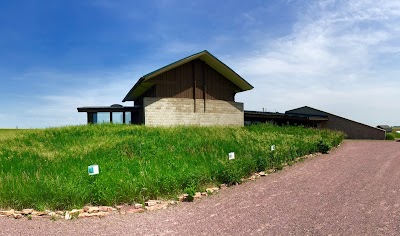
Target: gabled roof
[{"x": 143, "y": 84}]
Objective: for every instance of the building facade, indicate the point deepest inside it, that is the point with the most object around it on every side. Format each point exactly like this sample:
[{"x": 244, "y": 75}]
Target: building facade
[
  {"x": 197, "y": 90},
  {"x": 352, "y": 129},
  {"x": 200, "y": 90}
]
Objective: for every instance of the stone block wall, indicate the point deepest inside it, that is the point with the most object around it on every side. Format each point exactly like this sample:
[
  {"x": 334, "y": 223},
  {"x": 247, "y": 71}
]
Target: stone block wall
[{"x": 186, "y": 111}]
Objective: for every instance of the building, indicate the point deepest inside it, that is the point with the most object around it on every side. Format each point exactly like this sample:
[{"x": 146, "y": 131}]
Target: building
[
  {"x": 197, "y": 90},
  {"x": 200, "y": 90},
  {"x": 254, "y": 117},
  {"x": 353, "y": 129},
  {"x": 387, "y": 128}
]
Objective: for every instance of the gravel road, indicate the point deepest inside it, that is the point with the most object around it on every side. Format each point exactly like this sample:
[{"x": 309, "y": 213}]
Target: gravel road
[{"x": 355, "y": 190}]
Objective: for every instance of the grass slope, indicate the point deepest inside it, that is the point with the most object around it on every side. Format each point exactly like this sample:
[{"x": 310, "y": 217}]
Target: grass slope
[{"x": 47, "y": 169}]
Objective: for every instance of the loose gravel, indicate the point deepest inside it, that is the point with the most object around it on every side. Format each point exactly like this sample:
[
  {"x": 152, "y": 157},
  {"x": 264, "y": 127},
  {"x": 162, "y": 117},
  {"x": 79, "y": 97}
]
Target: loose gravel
[{"x": 354, "y": 190}]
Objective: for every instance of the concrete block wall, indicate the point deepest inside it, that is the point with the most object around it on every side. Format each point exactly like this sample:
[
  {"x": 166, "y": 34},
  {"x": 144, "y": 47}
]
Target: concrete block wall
[{"x": 186, "y": 111}]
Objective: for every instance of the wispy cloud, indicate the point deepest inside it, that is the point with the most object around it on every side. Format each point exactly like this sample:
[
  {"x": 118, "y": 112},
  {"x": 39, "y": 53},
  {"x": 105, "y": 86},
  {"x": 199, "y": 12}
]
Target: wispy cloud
[
  {"x": 336, "y": 55},
  {"x": 58, "y": 106},
  {"x": 331, "y": 60}
]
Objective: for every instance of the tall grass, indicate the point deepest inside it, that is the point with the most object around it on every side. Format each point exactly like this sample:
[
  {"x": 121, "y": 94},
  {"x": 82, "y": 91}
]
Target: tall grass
[
  {"x": 47, "y": 169},
  {"x": 9, "y": 133},
  {"x": 396, "y": 135}
]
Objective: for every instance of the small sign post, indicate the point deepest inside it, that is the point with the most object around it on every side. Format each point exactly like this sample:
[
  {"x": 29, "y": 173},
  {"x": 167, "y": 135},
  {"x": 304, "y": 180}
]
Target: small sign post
[
  {"x": 93, "y": 169},
  {"x": 272, "y": 147},
  {"x": 231, "y": 155}
]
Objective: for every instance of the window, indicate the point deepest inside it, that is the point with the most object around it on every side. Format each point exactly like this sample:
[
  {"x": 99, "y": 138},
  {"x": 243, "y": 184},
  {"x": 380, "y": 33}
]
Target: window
[
  {"x": 128, "y": 117},
  {"x": 94, "y": 121},
  {"x": 103, "y": 117},
  {"x": 117, "y": 117}
]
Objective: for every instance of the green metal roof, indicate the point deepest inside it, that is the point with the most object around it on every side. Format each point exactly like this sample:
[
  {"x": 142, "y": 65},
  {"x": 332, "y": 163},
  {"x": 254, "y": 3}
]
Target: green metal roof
[{"x": 143, "y": 84}]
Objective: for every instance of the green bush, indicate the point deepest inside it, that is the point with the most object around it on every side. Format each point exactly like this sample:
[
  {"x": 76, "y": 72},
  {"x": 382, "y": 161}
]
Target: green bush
[
  {"x": 323, "y": 147},
  {"x": 190, "y": 191},
  {"x": 228, "y": 173},
  {"x": 390, "y": 136}
]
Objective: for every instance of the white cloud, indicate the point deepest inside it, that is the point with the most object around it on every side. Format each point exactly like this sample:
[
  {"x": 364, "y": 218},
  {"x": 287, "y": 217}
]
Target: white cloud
[
  {"x": 333, "y": 61},
  {"x": 58, "y": 106},
  {"x": 341, "y": 56}
]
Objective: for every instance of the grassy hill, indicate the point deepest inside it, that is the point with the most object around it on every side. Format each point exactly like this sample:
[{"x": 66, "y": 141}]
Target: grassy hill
[{"x": 47, "y": 169}]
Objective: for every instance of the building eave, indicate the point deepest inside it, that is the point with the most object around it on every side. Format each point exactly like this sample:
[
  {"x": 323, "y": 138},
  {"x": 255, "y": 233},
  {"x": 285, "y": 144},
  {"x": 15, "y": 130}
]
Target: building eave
[{"x": 107, "y": 109}]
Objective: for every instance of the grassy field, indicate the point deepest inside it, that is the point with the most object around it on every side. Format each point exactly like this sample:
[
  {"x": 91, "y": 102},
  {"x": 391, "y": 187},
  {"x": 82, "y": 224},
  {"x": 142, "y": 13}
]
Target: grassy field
[
  {"x": 47, "y": 169},
  {"x": 397, "y": 135}
]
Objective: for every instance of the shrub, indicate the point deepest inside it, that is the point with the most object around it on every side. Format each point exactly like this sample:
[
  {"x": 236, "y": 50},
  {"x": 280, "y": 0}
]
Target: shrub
[
  {"x": 228, "y": 173},
  {"x": 190, "y": 191},
  {"x": 390, "y": 136},
  {"x": 323, "y": 147}
]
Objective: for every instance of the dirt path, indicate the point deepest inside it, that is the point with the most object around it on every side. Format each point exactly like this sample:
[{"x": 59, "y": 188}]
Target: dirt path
[{"x": 355, "y": 190}]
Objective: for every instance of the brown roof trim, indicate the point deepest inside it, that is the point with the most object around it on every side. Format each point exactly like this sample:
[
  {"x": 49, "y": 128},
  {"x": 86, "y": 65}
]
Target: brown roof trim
[{"x": 142, "y": 85}]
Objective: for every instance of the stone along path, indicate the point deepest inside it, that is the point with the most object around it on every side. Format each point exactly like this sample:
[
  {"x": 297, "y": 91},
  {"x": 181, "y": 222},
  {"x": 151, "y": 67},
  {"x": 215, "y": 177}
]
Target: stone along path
[{"x": 355, "y": 190}]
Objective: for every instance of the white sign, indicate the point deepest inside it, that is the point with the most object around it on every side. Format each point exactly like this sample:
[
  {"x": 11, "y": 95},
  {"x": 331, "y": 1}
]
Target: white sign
[
  {"x": 231, "y": 155},
  {"x": 272, "y": 147},
  {"x": 93, "y": 170}
]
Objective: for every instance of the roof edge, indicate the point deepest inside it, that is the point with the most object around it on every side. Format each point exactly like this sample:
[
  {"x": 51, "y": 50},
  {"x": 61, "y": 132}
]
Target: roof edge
[{"x": 229, "y": 73}]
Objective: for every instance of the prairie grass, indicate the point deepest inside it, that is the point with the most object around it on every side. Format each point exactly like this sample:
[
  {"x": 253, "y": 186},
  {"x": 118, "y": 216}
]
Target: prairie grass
[
  {"x": 47, "y": 169},
  {"x": 9, "y": 133},
  {"x": 396, "y": 135},
  {"x": 390, "y": 136}
]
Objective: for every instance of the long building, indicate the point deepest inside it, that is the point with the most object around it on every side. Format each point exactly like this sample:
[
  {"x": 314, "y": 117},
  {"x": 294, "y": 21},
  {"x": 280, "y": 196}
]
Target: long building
[{"x": 200, "y": 90}]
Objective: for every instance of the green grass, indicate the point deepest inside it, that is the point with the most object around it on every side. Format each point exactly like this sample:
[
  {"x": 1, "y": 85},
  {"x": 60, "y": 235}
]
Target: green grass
[
  {"x": 47, "y": 169},
  {"x": 390, "y": 136},
  {"x": 9, "y": 133},
  {"x": 396, "y": 135}
]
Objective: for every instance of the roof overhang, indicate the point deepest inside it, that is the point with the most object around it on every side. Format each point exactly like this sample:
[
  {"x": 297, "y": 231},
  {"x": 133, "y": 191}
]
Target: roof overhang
[
  {"x": 107, "y": 109},
  {"x": 144, "y": 84}
]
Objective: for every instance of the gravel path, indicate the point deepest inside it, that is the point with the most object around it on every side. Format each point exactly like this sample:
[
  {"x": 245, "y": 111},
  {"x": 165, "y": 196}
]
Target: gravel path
[{"x": 355, "y": 190}]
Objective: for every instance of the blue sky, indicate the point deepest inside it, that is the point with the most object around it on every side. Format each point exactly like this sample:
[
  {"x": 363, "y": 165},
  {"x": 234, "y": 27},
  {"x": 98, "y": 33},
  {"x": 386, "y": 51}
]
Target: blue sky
[{"x": 341, "y": 56}]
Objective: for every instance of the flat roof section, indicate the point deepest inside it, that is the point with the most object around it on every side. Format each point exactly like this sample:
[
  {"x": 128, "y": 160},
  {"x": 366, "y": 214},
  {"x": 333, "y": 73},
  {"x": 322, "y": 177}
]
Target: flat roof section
[{"x": 108, "y": 109}]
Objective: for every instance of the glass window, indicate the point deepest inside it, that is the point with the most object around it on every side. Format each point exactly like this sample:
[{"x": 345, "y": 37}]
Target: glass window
[
  {"x": 128, "y": 118},
  {"x": 94, "y": 118},
  {"x": 103, "y": 117},
  {"x": 117, "y": 117}
]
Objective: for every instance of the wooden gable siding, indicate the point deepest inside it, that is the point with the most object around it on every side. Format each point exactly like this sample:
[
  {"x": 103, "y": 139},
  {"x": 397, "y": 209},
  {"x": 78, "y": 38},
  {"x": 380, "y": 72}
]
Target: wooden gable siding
[
  {"x": 179, "y": 83},
  {"x": 217, "y": 86},
  {"x": 175, "y": 83}
]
